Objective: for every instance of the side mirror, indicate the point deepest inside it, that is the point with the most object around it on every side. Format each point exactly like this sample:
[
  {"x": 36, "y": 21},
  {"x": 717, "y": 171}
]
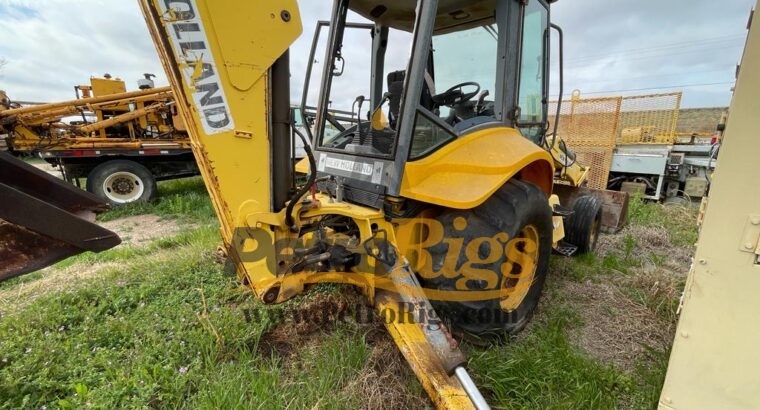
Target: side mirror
[{"x": 339, "y": 61}]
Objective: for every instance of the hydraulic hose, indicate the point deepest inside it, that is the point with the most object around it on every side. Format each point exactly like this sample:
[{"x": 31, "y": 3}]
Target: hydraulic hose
[{"x": 305, "y": 188}]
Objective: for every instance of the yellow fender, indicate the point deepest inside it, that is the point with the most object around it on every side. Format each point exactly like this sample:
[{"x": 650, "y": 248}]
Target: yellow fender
[{"x": 466, "y": 172}]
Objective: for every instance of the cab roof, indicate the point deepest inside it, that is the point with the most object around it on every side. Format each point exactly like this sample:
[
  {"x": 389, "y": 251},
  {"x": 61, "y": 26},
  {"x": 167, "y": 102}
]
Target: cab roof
[{"x": 453, "y": 15}]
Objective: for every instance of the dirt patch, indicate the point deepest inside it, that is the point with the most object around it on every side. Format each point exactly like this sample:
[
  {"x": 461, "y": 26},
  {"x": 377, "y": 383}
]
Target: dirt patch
[
  {"x": 304, "y": 324},
  {"x": 616, "y": 329},
  {"x": 383, "y": 382},
  {"x": 139, "y": 230},
  {"x": 50, "y": 169},
  {"x": 641, "y": 242},
  {"x": 626, "y": 313},
  {"x": 52, "y": 280}
]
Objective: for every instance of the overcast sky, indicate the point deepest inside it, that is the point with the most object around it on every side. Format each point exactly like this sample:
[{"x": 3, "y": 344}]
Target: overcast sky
[{"x": 612, "y": 47}]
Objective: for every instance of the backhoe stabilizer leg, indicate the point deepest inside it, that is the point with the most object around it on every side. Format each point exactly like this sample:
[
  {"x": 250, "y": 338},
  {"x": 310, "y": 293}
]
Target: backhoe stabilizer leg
[{"x": 428, "y": 347}]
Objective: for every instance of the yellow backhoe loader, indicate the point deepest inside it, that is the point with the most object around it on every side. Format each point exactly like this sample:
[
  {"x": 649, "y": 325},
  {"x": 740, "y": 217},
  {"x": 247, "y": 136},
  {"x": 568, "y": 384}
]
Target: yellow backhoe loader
[
  {"x": 435, "y": 204},
  {"x": 431, "y": 202}
]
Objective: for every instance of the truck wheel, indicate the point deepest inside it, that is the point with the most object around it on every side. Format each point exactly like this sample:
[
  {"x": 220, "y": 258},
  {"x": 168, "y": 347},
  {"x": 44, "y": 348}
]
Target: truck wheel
[
  {"x": 519, "y": 210},
  {"x": 582, "y": 227},
  {"x": 122, "y": 182}
]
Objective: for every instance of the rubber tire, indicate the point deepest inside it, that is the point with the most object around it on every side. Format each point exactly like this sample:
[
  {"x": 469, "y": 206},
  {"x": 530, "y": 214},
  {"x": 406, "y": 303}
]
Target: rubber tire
[
  {"x": 98, "y": 175},
  {"x": 579, "y": 226},
  {"x": 512, "y": 207}
]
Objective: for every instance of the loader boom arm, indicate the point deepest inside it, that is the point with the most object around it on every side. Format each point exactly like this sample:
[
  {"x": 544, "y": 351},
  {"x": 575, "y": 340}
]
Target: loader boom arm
[{"x": 223, "y": 59}]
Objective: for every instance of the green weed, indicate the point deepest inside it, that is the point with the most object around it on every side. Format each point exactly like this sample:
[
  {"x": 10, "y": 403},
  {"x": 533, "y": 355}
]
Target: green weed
[
  {"x": 543, "y": 370},
  {"x": 679, "y": 220},
  {"x": 161, "y": 328},
  {"x": 186, "y": 199}
]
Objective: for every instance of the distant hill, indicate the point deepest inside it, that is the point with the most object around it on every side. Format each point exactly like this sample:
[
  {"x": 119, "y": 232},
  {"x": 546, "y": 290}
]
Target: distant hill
[{"x": 699, "y": 119}]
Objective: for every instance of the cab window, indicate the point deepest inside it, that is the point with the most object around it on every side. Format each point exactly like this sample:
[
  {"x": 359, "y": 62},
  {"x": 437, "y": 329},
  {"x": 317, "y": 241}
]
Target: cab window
[
  {"x": 459, "y": 88},
  {"x": 533, "y": 71}
]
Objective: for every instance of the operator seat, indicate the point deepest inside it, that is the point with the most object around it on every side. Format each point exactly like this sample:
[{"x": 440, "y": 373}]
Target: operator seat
[
  {"x": 396, "y": 88},
  {"x": 379, "y": 142}
]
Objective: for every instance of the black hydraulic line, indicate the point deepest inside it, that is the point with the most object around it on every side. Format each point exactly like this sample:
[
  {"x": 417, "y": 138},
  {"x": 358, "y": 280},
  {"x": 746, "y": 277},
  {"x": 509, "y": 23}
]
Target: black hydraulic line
[
  {"x": 305, "y": 188},
  {"x": 360, "y": 101},
  {"x": 280, "y": 148}
]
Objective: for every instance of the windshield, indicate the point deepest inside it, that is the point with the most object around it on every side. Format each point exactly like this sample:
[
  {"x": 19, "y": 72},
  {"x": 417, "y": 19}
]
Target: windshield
[
  {"x": 459, "y": 89},
  {"x": 463, "y": 75},
  {"x": 467, "y": 56}
]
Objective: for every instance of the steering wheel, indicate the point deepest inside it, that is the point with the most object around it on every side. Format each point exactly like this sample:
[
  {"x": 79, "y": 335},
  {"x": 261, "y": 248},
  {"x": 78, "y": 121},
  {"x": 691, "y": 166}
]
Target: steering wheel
[{"x": 455, "y": 95}]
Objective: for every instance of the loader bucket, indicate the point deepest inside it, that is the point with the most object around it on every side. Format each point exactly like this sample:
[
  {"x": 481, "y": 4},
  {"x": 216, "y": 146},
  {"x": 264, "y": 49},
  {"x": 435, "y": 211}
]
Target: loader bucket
[
  {"x": 614, "y": 204},
  {"x": 44, "y": 220}
]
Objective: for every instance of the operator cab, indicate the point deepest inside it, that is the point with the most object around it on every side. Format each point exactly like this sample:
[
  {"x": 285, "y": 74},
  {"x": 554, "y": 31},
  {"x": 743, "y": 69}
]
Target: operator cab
[{"x": 420, "y": 76}]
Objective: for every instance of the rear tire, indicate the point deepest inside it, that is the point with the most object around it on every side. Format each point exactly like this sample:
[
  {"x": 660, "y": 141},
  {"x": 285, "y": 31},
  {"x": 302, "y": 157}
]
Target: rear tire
[
  {"x": 518, "y": 209},
  {"x": 121, "y": 182},
  {"x": 583, "y": 226}
]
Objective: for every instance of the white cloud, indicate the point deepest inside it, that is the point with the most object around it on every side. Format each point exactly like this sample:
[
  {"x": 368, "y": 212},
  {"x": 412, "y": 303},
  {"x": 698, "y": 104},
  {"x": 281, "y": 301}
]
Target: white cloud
[
  {"x": 52, "y": 45},
  {"x": 56, "y": 44}
]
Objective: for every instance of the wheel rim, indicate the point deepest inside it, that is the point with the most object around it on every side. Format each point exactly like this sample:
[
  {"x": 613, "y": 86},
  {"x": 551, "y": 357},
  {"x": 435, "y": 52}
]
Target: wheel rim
[
  {"x": 516, "y": 285},
  {"x": 123, "y": 187}
]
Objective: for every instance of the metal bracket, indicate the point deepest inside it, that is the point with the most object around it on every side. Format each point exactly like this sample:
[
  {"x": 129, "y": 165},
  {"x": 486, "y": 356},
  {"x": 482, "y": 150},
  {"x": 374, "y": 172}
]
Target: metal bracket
[
  {"x": 750, "y": 241},
  {"x": 559, "y": 210}
]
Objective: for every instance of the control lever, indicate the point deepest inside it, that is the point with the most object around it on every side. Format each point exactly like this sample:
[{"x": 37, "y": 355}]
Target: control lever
[
  {"x": 481, "y": 100},
  {"x": 358, "y": 137}
]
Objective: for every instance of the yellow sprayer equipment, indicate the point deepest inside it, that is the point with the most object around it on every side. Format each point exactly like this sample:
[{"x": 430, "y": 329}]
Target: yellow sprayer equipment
[{"x": 121, "y": 141}]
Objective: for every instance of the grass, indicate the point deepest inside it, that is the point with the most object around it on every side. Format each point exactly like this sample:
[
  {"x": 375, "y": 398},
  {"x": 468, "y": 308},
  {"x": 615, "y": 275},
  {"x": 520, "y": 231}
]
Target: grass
[
  {"x": 158, "y": 327},
  {"x": 162, "y": 330},
  {"x": 678, "y": 220},
  {"x": 186, "y": 199},
  {"x": 544, "y": 370},
  {"x": 34, "y": 160},
  {"x": 139, "y": 337}
]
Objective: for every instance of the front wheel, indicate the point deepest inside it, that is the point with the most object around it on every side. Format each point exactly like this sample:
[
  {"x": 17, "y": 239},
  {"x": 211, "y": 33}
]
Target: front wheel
[
  {"x": 583, "y": 226},
  {"x": 122, "y": 182},
  {"x": 516, "y": 223}
]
